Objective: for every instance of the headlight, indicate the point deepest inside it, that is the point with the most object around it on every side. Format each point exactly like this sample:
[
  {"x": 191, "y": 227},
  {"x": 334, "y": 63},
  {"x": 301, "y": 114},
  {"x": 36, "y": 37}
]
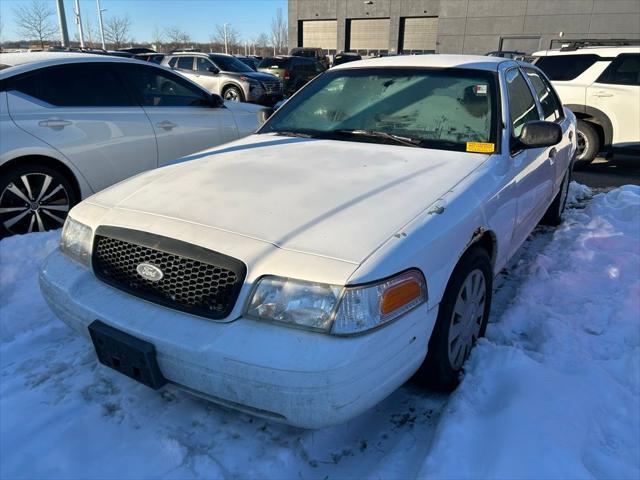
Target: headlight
[
  {"x": 76, "y": 241},
  {"x": 298, "y": 303},
  {"x": 333, "y": 309}
]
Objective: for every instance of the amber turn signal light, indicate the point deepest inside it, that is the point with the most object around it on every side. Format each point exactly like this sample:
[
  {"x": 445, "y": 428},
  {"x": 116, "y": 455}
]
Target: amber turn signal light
[{"x": 399, "y": 295}]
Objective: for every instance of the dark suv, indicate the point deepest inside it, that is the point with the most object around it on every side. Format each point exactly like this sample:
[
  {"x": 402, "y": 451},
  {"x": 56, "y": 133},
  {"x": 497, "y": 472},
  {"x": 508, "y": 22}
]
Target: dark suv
[
  {"x": 293, "y": 71},
  {"x": 317, "y": 54}
]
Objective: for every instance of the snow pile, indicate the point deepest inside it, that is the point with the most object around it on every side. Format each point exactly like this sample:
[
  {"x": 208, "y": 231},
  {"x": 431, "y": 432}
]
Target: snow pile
[
  {"x": 21, "y": 307},
  {"x": 553, "y": 392}
]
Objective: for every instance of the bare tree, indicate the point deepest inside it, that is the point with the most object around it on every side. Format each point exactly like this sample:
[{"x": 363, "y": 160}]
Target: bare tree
[
  {"x": 279, "y": 32},
  {"x": 262, "y": 45},
  {"x": 157, "y": 37},
  {"x": 36, "y": 21},
  {"x": 90, "y": 30},
  {"x": 232, "y": 37},
  {"x": 177, "y": 37},
  {"x": 116, "y": 30}
]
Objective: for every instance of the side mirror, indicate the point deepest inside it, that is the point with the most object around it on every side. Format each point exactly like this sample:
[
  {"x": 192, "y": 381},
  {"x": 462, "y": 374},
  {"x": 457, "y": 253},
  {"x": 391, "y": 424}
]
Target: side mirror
[
  {"x": 213, "y": 70},
  {"x": 264, "y": 114},
  {"x": 216, "y": 101},
  {"x": 539, "y": 133}
]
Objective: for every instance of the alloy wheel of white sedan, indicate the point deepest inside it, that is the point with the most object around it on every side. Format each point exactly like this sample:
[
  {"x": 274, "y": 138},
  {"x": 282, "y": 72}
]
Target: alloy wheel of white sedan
[{"x": 33, "y": 201}]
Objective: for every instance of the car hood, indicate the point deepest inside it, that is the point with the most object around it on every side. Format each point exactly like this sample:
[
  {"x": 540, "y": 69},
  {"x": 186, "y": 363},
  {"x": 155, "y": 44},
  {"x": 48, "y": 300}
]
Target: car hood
[
  {"x": 331, "y": 198},
  {"x": 260, "y": 76}
]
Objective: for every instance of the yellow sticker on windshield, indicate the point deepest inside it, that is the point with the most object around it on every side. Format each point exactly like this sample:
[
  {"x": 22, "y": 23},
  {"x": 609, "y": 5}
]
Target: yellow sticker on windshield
[{"x": 481, "y": 147}]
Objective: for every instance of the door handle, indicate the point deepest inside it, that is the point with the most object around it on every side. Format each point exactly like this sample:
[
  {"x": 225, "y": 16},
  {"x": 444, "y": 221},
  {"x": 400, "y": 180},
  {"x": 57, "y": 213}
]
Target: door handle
[
  {"x": 552, "y": 155},
  {"x": 167, "y": 125},
  {"x": 602, "y": 93},
  {"x": 54, "y": 123}
]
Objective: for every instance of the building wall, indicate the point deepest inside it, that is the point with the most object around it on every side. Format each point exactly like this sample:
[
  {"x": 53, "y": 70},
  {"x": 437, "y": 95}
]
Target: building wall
[{"x": 478, "y": 26}]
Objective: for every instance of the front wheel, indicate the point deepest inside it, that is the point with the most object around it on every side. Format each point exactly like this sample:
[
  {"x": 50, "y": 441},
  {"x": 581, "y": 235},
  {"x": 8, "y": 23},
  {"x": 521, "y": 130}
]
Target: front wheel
[
  {"x": 33, "y": 198},
  {"x": 232, "y": 94},
  {"x": 462, "y": 319}
]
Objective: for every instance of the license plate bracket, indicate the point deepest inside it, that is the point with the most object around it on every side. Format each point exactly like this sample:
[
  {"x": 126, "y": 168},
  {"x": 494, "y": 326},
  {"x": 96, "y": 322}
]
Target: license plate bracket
[{"x": 126, "y": 354}]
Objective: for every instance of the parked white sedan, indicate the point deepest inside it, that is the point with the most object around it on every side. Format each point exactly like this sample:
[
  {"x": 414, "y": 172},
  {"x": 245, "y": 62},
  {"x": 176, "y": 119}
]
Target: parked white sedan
[
  {"x": 304, "y": 273},
  {"x": 72, "y": 124}
]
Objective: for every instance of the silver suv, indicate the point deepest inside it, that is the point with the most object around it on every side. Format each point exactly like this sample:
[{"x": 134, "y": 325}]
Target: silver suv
[{"x": 227, "y": 76}]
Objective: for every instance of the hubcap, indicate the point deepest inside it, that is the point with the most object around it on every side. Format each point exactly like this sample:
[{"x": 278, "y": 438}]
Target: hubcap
[
  {"x": 582, "y": 144},
  {"x": 466, "y": 321},
  {"x": 232, "y": 95},
  {"x": 33, "y": 202}
]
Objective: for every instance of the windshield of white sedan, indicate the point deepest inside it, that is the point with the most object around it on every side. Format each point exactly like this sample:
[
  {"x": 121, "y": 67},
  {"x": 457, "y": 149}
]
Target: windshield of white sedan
[{"x": 431, "y": 108}]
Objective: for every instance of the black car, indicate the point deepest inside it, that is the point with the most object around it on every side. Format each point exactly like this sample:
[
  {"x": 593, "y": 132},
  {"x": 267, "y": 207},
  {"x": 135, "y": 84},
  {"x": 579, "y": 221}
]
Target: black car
[
  {"x": 249, "y": 61},
  {"x": 136, "y": 50},
  {"x": 317, "y": 54},
  {"x": 294, "y": 72},
  {"x": 150, "y": 57},
  {"x": 346, "y": 57}
]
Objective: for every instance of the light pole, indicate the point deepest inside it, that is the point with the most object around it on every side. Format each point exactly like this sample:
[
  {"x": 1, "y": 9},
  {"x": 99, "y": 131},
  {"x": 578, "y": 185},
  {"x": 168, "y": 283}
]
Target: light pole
[
  {"x": 100, "y": 10},
  {"x": 225, "y": 38},
  {"x": 79, "y": 21},
  {"x": 62, "y": 20}
]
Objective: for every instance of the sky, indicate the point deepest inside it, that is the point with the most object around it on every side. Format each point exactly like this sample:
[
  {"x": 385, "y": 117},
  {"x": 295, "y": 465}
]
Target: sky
[{"x": 197, "y": 17}]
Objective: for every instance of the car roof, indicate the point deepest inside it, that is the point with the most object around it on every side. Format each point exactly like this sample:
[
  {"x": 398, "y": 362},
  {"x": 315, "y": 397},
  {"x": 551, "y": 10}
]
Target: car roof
[
  {"x": 476, "y": 62},
  {"x": 612, "y": 51},
  {"x": 26, "y": 61}
]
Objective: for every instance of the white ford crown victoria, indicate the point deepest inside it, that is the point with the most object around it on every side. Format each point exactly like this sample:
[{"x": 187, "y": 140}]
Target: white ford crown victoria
[{"x": 305, "y": 272}]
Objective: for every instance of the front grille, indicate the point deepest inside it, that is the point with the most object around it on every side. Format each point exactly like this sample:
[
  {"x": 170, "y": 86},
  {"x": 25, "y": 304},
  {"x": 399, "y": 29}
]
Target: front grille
[
  {"x": 195, "y": 280},
  {"x": 272, "y": 87}
]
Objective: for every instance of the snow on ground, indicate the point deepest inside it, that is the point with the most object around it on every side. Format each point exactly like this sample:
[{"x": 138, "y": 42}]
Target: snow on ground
[{"x": 552, "y": 392}]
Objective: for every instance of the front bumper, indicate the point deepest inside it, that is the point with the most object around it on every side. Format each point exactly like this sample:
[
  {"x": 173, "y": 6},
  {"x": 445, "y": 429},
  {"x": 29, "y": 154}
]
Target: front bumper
[{"x": 302, "y": 378}]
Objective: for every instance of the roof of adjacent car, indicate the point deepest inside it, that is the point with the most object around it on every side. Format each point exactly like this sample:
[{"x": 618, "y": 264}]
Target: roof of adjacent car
[
  {"x": 25, "y": 61},
  {"x": 476, "y": 62},
  {"x": 597, "y": 50}
]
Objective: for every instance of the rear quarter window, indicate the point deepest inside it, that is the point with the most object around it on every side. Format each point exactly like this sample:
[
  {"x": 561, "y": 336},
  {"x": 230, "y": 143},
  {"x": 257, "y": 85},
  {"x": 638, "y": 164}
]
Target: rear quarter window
[{"x": 565, "y": 67}]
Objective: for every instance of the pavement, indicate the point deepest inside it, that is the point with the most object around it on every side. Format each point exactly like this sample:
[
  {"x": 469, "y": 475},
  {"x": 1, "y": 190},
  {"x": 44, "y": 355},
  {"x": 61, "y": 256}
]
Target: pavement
[{"x": 610, "y": 173}]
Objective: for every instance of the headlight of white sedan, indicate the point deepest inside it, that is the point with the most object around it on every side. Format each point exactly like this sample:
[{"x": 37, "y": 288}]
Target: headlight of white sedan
[
  {"x": 76, "y": 241},
  {"x": 335, "y": 309}
]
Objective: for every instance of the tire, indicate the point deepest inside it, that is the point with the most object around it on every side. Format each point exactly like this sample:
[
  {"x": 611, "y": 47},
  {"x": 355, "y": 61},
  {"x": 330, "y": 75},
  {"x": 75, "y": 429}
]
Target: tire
[
  {"x": 553, "y": 215},
  {"x": 446, "y": 355},
  {"x": 233, "y": 94},
  {"x": 588, "y": 144},
  {"x": 34, "y": 198}
]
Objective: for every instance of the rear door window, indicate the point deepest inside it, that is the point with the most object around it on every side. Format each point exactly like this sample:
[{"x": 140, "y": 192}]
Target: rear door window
[
  {"x": 75, "y": 85},
  {"x": 551, "y": 107},
  {"x": 624, "y": 70},
  {"x": 565, "y": 67},
  {"x": 185, "y": 63}
]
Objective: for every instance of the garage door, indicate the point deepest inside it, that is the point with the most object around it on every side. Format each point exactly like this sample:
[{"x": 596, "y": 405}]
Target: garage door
[
  {"x": 320, "y": 34},
  {"x": 420, "y": 34},
  {"x": 369, "y": 34}
]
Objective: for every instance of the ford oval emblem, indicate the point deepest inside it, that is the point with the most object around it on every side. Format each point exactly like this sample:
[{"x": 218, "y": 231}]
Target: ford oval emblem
[{"x": 149, "y": 272}]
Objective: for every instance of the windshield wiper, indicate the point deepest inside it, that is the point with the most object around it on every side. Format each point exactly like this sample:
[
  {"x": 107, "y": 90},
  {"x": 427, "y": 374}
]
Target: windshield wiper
[
  {"x": 407, "y": 141},
  {"x": 291, "y": 133}
]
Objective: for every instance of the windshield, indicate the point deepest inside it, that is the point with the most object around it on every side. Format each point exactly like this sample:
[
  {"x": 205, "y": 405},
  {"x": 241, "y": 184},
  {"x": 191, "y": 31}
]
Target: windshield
[
  {"x": 230, "y": 64},
  {"x": 434, "y": 108}
]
